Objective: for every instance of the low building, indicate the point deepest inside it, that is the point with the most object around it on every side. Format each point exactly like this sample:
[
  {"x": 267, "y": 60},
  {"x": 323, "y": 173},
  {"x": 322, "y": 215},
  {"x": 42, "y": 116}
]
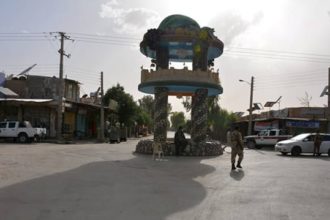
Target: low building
[
  {"x": 294, "y": 120},
  {"x": 38, "y": 103}
]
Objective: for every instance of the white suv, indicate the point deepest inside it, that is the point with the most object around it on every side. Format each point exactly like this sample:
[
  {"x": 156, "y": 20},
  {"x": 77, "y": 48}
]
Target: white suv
[
  {"x": 303, "y": 143},
  {"x": 21, "y": 131}
]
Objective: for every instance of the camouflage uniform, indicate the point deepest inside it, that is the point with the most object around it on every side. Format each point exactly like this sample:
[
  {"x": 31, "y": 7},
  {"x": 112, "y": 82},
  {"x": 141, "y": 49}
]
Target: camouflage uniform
[
  {"x": 236, "y": 148},
  {"x": 317, "y": 144}
]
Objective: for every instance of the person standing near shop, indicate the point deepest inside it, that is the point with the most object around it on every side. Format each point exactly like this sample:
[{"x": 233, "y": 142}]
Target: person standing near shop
[
  {"x": 236, "y": 148},
  {"x": 317, "y": 143}
]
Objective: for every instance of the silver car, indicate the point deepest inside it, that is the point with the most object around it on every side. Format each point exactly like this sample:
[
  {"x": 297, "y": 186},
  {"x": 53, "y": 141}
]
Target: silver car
[{"x": 303, "y": 143}]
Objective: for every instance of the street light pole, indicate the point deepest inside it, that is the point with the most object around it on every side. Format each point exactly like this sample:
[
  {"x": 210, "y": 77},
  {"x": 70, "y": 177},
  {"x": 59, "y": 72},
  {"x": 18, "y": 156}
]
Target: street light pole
[
  {"x": 250, "y": 109},
  {"x": 251, "y": 101}
]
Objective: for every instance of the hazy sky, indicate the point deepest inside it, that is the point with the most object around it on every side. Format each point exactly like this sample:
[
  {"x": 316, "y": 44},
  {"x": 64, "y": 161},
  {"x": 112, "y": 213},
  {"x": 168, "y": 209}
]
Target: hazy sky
[{"x": 284, "y": 44}]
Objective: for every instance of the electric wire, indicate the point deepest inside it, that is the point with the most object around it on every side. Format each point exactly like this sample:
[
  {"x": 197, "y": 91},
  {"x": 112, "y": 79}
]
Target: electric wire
[{"x": 262, "y": 82}]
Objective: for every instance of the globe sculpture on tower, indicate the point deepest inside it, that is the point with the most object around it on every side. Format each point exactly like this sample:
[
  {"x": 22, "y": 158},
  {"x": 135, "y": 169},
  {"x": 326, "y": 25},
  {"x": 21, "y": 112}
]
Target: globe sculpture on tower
[{"x": 180, "y": 39}]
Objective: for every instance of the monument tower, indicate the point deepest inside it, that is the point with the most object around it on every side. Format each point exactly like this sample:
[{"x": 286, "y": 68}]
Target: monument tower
[{"x": 180, "y": 39}]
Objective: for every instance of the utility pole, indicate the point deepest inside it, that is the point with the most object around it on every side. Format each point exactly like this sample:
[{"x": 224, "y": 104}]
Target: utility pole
[
  {"x": 102, "y": 112},
  {"x": 61, "y": 87},
  {"x": 328, "y": 100},
  {"x": 250, "y": 109}
]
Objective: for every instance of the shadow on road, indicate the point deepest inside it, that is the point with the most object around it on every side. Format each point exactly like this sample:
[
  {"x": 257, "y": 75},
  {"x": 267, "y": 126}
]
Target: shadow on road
[
  {"x": 324, "y": 157},
  {"x": 139, "y": 188},
  {"x": 237, "y": 174}
]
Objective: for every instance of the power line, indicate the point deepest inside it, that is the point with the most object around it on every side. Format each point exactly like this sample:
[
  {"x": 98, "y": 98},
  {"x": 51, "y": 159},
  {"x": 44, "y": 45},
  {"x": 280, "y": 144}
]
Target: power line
[
  {"x": 288, "y": 83},
  {"x": 107, "y": 43},
  {"x": 106, "y": 36},
  {"x": 292, "y": 73},
  {"x": 106, "y": 40},
  {"x": 279, "y": 51},
  {"x": 277, "y": 57},
  {"x": 21, "y": 33},
  {"x": 304, "y": 77}
]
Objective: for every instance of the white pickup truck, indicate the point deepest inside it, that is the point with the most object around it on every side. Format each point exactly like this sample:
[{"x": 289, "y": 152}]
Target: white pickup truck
[
  {"x": 23, "y": 132},
  {"x": 265, "y": 137}
]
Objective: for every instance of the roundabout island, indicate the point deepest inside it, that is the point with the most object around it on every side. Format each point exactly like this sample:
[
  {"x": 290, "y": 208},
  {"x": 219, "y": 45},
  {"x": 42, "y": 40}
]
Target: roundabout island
[{"x": 180, "y": 39}]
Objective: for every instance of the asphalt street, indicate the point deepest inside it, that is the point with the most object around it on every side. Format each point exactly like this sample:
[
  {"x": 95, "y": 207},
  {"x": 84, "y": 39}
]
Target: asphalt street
[{"x": 108, "y": 181}]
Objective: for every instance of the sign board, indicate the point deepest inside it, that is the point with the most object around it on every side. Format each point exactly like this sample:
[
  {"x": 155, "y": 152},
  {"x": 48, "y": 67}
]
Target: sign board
[
  {"x": 262, "y": 125},
  {"x": 303, "y": 124},
  {"x": 113, "y": 105}
]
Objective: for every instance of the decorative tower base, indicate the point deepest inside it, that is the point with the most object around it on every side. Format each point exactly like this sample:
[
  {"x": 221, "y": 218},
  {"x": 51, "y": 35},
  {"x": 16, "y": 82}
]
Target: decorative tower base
[
  {"x": 199, "y": 116},
  {"x": 160, "y": 118}
]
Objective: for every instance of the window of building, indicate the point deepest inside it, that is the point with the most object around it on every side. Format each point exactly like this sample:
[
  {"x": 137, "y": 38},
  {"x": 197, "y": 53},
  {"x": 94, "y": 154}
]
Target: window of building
[{"x": 69, "y": 93}]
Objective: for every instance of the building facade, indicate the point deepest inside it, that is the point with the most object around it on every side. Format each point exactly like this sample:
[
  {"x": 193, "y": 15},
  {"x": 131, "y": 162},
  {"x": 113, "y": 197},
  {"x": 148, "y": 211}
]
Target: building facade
[
  {"x": 294, "y": 120},
  {"x": 38, "y": 103}
]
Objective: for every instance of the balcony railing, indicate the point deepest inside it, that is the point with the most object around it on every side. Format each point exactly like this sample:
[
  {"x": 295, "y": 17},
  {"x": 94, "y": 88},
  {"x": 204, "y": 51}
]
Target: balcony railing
[{"x": 184, "y": 75}]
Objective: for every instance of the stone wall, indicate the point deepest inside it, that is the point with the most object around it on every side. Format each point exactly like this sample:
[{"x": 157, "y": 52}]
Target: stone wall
[{"x": 205, "y": 148}]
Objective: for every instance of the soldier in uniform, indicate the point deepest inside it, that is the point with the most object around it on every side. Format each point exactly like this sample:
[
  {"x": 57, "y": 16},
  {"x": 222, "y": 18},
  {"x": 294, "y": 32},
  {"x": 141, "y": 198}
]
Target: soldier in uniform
[
  {"x": 180, "y": 141},
  {"x": 317, "y": 143},
  {"x": 236, "y": 148}
]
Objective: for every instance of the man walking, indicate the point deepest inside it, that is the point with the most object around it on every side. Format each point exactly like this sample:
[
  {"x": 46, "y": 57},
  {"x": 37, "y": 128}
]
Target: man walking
[{"x": 236, "y": 148}]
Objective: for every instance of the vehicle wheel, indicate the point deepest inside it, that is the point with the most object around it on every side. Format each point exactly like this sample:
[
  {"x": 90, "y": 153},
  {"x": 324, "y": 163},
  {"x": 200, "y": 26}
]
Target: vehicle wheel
[
  {"x": 284, "y": 153},
  {"x": 258, "y": 146},
  {"x": 22, "y": 138},
  {"x": 251, "y": 144},
  {"x": 295, "y": 151}
]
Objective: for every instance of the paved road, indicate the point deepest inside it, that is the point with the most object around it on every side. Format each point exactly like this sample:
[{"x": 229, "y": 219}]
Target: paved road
[{"x": 103, "y": 181}]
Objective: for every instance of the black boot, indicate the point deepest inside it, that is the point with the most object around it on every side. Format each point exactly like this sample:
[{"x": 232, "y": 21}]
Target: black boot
[
  {"x": 239, "y": 165},
  {"x": 233, "y": 166}
]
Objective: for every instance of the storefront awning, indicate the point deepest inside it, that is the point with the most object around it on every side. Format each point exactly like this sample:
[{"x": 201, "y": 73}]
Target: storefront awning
[
  {"x": 25, "y": 100},
  {"x": 7, "y": 92}
]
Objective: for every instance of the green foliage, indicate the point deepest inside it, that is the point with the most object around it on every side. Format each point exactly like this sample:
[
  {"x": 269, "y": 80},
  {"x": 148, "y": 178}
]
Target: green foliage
[
  {"x": 220, "y": 120},
  {"x": 127, "y": 108},
  {"x": 143, "y": 117},
  {"x": 177, "y": 119},
  {"x": 147, "y": 103},
  {"x": 146, "y": 106},
  {"x": 186, "y": 102}
]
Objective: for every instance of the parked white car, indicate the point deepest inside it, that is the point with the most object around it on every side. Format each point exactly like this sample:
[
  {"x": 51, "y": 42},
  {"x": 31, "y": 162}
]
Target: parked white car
[
  {"x": 303, "y": 143},
  {"x": 21, "y": 131}
]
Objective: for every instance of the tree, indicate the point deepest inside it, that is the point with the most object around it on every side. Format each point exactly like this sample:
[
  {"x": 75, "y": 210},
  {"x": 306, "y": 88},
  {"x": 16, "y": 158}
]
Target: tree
[
  {"x": 147, "y": 103},
  {"x": 186, "y": 102},
  {"x": 177, "y": 119},
  {"x": 305, "y": 101},
  {"x": 143, "y": 118},
  {"x": 219, "y": 120},
  {"x": 127, "y": 108}
]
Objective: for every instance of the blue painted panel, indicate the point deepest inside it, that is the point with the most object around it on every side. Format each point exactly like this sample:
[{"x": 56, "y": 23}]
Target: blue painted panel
[{"x": 303, "y": 124}]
